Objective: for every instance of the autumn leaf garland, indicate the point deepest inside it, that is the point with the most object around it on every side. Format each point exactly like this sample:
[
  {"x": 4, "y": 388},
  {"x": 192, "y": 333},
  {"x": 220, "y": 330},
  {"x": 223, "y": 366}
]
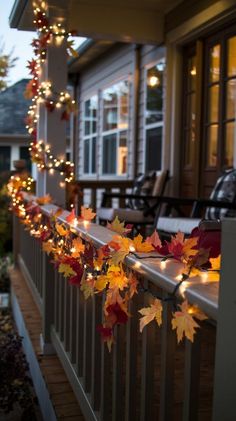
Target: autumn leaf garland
[{"x": 102, "y": 270}]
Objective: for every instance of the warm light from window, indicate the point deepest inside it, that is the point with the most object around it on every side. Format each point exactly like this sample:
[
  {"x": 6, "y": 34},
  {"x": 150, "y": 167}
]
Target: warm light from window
[
  {"x": 153, "y": 81},
  {"x": 193, "y": 71}
]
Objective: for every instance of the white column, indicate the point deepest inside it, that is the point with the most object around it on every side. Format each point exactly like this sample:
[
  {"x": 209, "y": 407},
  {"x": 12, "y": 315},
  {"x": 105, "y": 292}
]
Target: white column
[
  {"x": 51, "y": 129},
  {"x": 15, "y": 154}
]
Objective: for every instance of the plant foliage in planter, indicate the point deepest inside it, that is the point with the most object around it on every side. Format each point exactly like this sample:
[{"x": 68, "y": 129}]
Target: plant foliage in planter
[{"x": 15, "y": 384}]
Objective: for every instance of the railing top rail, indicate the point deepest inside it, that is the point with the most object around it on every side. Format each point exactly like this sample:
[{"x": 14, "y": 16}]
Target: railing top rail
[{"x": 199, "y": 292}]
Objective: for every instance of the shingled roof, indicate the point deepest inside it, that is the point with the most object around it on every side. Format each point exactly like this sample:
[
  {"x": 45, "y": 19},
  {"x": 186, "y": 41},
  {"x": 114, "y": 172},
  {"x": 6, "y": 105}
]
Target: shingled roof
[{"x": 13, "y": 109}]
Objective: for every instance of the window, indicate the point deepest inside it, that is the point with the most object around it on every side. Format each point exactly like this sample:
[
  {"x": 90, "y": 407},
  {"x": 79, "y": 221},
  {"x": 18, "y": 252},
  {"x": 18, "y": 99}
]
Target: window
[
  {"x": 90, "y": 135},
  {"x": 5, "y": 158},
  {"x": 209, "y": 111},
  {"x": 24, "y": 154},
  {"x": 154, "y": 116},
  {"x": 115, "y": 129}
]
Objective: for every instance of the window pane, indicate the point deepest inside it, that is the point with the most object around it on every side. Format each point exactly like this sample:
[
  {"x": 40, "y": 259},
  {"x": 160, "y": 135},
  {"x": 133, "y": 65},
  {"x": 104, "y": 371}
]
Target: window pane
[
  {"x": 229, "y": 144},
  {"x": 214, "y": 63},
  {"x": 5, "y": 153},
  {"x": 93, "y": 113},
  {"x": 153, "y": 149},
  {"x": 86, "y": 156},
  {"x": 87, "y": 127},
  {"x": 87, "y": 108},
  {"x": 24, "y": 154},
  {"x": 110, "y": 108},
  {"x": 154, "y": 92},
  {"x": 122, "y": 154},
  {"x": 230, "y": 99},
  {"x": 109, "y": 154},
  {"x": 94, "y": 141},
  {"x": 232, "y": 56},
  {"x": 213, "y": 103},
  {"x": 212, "y": 140}
]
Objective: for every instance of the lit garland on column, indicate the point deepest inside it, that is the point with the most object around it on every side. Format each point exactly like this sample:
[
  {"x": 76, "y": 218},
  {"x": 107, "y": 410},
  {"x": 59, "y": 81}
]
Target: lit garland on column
[{"x": 43, "y": 93}]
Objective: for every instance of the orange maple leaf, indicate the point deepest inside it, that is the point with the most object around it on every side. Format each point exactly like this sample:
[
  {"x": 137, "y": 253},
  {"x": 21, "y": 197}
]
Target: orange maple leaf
[
  {"x": 71, "y": 218},
  {"x": 215, "y": 263},
  {"x": 154, "y": 311},
  {"x": 117, "y": 278},
  {"x": 122, "y": 247},
  {"x": 154, "y": 239},
  {"x": 101, "y": 282},
  {"x": 184, "y": 322},
  {"x": 87, "y": 214},
  {"x": 44, "y": 200},
  {"x": 142, "y": 246},
  {"x": 61, "y": 229},
  {"x": 77, "y": 247},
  {"x": 47, "y": 247}
]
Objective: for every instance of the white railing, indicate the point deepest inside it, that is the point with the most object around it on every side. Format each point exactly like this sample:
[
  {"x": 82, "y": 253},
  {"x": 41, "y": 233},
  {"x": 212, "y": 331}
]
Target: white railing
[{"x": 146, "y": 376}]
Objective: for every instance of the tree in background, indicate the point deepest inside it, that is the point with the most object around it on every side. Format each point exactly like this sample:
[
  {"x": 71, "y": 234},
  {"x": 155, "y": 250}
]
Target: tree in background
[{"x": 7, "y": 61}]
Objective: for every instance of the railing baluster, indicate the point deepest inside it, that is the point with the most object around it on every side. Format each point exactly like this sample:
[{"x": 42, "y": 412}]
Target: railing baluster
[
  {"x": 106, "y": 389},
  {"x": 147, "y": 373},
  {"x": 56, "y": 300},
  {"x": 87, "y": 343},
  {"x": 94, "y": 199},
  {"x": 131, "y": 362},
  {"x": 168, "y": 341},
  {"x": 61, "y": 286},
  {"x": 79, "y": 333},
  {"x": 118, "y": 378},
  {"x": 192, "y": 378},
  {"x": 66, "y": 315},
  {"x": 96, "y": 352},
  {"x": 73, "y": 322}
]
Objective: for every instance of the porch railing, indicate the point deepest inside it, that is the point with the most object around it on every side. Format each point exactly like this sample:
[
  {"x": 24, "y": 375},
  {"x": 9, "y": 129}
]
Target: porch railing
[
  {"x": 146, "y": 376},
  {"x": 89, "y": 192}
]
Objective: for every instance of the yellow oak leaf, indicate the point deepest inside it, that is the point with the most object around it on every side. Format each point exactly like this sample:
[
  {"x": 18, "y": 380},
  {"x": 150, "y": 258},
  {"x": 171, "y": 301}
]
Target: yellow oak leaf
[
  {"x": 66, "y": 270},
  {"x": 188, "y": 247},
  {"x": 61, "y": 229},
  {"x": 215, "y": 263},
  {"x": 47, "y": 247},
  {"x": 154, "y": 311},
  {"x": 184, "y": 322},
  {"x": 117, "y": 278},
  {"x": 87, "y": 214},
  {"x": 142, "y": 246},
  {"x": 117, "y": 226},
  {"x": 101, "y": 282},
  {"x": 77, "y": 247}
]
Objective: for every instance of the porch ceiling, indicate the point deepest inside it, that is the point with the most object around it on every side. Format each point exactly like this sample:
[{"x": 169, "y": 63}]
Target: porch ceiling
[{"x": 118, "y": 20}]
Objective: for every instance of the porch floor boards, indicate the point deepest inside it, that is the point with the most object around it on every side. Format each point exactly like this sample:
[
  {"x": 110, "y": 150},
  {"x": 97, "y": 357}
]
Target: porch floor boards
[{"x": 60, "y": 391}]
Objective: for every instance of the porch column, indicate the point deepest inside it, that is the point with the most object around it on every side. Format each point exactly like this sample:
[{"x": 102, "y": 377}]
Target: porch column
[
  {"x": 224, "y": 407},
  {"x": 51, "y": 128}
]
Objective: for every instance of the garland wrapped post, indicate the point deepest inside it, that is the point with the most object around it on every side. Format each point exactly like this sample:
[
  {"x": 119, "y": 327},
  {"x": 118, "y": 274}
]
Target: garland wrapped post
[
  {"x": 103, "y": 270},
  {"x": 43, "y": 94}
]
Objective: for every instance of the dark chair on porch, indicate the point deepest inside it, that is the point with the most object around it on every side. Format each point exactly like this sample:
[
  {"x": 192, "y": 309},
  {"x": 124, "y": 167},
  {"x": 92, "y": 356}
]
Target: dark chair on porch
[
  {"x": 140, "y": 204},
  {"x": 221, "y": 204}
]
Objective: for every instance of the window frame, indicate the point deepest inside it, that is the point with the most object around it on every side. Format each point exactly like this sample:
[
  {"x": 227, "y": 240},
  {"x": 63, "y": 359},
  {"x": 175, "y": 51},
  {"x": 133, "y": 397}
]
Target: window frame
[
  {"x": 151, "y": 126},
  {"x": 90, "y": 137},
  {"x": 115, "y": 131}
]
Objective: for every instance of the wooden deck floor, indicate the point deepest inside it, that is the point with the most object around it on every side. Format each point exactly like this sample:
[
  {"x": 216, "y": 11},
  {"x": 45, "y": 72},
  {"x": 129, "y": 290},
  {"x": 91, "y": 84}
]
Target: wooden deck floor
[{"x": 61, "y": 394}]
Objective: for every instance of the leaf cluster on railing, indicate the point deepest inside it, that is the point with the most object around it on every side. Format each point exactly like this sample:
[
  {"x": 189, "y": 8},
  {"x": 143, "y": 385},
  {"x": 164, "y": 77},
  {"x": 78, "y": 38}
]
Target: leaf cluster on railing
[{"x": 103, "y": 270}]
